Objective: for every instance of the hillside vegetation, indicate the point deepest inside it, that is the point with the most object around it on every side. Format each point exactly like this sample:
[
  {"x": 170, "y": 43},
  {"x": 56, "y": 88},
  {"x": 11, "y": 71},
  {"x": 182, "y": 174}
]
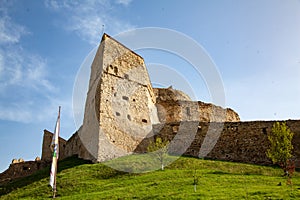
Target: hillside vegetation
[{"x": 216, "y": 180}]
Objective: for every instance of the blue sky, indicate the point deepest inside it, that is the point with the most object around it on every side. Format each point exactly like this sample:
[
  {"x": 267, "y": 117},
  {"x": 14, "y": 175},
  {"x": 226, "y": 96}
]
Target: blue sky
[{"x": 254, "y": 44}]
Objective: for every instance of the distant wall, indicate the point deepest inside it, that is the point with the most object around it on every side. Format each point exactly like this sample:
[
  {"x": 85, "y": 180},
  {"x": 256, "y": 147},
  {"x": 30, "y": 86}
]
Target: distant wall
[
  {"x": 46, "y": 150},
  {"x": 18, "y": 170}
]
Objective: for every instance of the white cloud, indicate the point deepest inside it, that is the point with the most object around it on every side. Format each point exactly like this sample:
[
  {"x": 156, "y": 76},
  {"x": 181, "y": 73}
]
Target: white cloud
[
  {"x": 24, "y": 84},
  {"x": 9, "y": 31},
  {"x": 87, "y": 18},
  {"x": 15, "y": 113},
  {"x": 19, "y": 68},
  {"x": 124, "y": 2}
]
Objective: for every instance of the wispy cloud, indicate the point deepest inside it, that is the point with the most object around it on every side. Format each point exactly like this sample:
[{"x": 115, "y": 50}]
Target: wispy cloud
[
  {"x": 22, "y": 69},
  {"x": 23, "y": 75},
  {"x": 9, "y": 31},
  {"x": 124, "y": 2},
  {"x": 88, "y": 18}
]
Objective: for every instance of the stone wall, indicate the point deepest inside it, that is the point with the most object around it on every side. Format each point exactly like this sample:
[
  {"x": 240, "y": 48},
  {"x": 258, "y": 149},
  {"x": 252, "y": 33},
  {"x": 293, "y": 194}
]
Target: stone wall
[
  {"x": 46, "y": 150},
  {"x": 18, "y": 170},
  {"x": 74, "y": 146},
  {"x": 175, "y": 106},
  {"x": 244, "y": 142}
]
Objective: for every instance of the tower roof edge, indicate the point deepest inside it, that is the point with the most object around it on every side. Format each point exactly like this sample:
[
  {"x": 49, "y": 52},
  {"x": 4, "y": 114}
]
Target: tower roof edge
[{"x": 105, "y": 36}]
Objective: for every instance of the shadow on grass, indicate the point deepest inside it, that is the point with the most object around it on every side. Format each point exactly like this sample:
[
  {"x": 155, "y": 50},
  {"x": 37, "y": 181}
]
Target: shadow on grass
[{"x": 41, "y": 174}]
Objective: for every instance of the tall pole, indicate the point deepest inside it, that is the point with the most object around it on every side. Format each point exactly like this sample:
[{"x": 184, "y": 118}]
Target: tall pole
[{"x": 55, "y": 149}]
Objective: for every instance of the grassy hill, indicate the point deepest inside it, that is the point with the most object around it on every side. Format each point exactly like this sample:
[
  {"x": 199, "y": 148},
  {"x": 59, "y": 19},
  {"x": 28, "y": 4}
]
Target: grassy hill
[{"x": 217, "y": 180}]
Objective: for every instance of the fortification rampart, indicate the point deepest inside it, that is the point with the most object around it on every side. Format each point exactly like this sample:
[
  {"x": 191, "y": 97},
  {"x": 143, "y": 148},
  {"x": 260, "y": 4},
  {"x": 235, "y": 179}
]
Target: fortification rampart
[{"x": 245, "y": 142}]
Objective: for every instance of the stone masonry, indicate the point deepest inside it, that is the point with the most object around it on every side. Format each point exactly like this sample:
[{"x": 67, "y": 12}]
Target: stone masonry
[{"x": 120, "y": 106}]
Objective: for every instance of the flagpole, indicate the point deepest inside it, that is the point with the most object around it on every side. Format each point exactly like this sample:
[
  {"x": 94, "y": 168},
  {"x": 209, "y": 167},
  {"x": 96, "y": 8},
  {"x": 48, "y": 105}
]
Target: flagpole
[{"x": 55, "y": 149}]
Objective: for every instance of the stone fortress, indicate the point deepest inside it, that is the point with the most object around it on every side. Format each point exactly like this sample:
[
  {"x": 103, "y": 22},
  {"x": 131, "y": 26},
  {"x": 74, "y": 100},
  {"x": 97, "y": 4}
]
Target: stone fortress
[{"x": 123, "y": 113}]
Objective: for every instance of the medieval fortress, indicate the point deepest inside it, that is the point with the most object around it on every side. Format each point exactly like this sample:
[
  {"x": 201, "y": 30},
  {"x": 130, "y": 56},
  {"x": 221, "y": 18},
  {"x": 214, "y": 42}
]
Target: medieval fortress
[{"x": 123, "y": 113}]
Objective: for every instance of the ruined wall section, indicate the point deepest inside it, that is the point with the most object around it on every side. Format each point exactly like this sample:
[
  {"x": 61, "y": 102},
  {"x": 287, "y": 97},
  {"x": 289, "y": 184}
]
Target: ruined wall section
[
  {"x": 22, "y": 169},
  {"x": 175, "y": 106},
  {"x": 46, "y": 149}
]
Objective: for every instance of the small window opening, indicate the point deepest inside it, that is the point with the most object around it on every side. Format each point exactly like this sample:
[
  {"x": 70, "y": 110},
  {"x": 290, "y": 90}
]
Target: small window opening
[
  {"x": 125, "y": 98},
  {"x": 116, "y": 70},
  {"x": 129, "y": 117},
  {"x": 188, "y": 111},
  {"x": 144, "y": 120},
  {"x": 133, "y": 100},
  {"x": 115, "y": 94},
  {"x": 118, "y": 114},
  {"x": 26, "y": 168}
]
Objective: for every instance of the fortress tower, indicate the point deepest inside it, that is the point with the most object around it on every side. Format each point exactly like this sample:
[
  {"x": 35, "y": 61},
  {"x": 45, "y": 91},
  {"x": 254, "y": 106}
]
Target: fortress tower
[{"x": 120, "y": 106}]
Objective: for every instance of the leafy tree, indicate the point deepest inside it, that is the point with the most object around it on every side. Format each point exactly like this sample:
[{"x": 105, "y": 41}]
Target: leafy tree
[
  {"x": 159, "y": 148},
  {"x": 280, "y": 151}
]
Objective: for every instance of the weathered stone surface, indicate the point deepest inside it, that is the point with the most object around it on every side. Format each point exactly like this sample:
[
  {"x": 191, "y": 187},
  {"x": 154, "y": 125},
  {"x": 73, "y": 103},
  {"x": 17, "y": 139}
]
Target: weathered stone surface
[
  {"x": 18, "y": 170},
  {"x": 46, "y": 150},
  {"x": 14, "y": 161},
  {"x": 175, "y": 106},
  {"x": 37, "y": 159},
  {"x": 245, "y": 142},
  {"x": 120, "y": 106}
]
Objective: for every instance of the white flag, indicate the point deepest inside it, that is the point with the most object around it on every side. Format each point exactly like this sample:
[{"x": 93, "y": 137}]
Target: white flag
[{"x": 55, "y": 150}]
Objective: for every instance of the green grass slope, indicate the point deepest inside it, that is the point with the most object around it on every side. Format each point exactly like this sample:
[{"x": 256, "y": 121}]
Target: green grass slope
[{"x": 217, "y": 180}]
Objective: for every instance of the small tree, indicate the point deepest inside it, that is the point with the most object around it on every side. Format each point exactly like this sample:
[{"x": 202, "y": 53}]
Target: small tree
[
  {"x": 160, "y": 149},
  {"x": 280, "y": 151}
]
